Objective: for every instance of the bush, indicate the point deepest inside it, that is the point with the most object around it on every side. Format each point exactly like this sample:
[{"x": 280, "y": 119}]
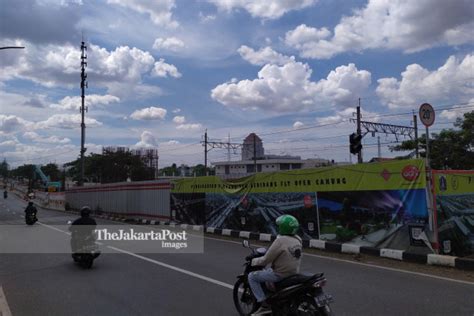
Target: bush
[{"x": 344, "y": 234}]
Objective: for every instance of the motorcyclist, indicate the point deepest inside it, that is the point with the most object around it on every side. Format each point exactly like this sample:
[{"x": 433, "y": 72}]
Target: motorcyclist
[
  {"x": 81, "y": 229},
  {"x": 31, "y": 209},
  {"x": 284, "y": 256}
]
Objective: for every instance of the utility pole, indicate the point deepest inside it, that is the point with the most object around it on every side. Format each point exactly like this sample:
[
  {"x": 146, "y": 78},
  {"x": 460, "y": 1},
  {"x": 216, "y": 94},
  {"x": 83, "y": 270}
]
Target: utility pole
[
  {"x": 83, "y": 107},
  {"x": 359, "y": 154},
  {"x": 255, "y": 153},
  {"x": 378, "y": 146},
  {"x": 205, "y": 151},
  {"x": 415, "y": 126},
  {"x": 228, "y": 147}
]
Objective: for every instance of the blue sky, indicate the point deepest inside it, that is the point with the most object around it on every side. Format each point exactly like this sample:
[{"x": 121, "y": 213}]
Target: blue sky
[{"x": 162, "y": 72}]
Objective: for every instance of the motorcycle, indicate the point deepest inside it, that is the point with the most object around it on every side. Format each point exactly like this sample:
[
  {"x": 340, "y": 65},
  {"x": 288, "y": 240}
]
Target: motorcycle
[
  {"x": 30, "y": 218},
  {"x": 85, "y": 250},
  {"x": 299, "y": 294}
]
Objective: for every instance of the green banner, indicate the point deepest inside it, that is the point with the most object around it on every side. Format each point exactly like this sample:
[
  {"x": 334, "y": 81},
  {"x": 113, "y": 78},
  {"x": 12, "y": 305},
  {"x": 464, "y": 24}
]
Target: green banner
[{"x": 391, "y": 175}]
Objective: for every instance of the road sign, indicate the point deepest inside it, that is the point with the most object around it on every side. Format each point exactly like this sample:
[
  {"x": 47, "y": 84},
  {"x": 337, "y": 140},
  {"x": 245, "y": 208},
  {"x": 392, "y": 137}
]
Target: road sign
[{"x": 427, "y": 114}]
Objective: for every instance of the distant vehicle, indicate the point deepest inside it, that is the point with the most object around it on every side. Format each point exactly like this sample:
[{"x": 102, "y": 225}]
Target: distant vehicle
[{"x": 298, "y": 294}]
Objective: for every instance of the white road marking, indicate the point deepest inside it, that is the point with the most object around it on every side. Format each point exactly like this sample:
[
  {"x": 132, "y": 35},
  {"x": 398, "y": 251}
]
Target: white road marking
[
  {"x": 329, "y": 258},
  {"x": 52, "y": 227},
  {"x": 4, "y": 309},
  {"x": 168, "y": 266},
  {"x": 165, "y": 265}
]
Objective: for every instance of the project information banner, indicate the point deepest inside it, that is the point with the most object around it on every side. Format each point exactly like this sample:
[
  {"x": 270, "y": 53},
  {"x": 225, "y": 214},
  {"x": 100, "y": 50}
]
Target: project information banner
[
  {"x": 455, "y": 204},
  {"x": 370, "y": 204}
]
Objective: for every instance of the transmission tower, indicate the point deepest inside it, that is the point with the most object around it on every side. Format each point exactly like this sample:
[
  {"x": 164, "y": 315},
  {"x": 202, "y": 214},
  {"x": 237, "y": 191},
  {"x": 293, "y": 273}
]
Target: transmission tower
[{"x": 83, "y": 108}]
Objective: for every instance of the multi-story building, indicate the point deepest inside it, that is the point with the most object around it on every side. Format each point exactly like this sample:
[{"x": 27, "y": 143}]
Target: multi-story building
[{"x": 263, "y": 163}]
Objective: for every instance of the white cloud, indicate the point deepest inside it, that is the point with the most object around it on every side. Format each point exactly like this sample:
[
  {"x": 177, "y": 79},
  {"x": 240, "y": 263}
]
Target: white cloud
[
  {"x": 121, "y": 70},
  {"x": 162, "y": 69},
  {"x": 170, "y": 143},
  {"x": 74, "y": 103},
  {"x": 179, "y": 119},
  {"x": 151, "y": 113},
  {"x": 66, "y": 121},
  {"x": 48, "y": 140},
  {"x": 159, "y": 11},
  {"x": 12, "y": 123},
  {"x": 206, "y": 18},
  {"x": 175, "y": 111},
  {"x": 147, "y": 140},
  {"x": 452, "y": 81},
  {"x": 298, "y": 124},
  {"x": 407, "y": 25},
  {"x": 268, "y": 9},
  {"x": 263, "y": 56},
  {"x": 456, "y": 111},
  {"x": 288, "y": 88},
  {"x": 172, "y": 44},
  {"x": 345, "y": 115},
  {"x": 187, "y": 127}
]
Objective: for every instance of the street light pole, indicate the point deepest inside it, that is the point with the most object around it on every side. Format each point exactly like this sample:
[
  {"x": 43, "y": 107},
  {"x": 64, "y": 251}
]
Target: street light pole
[{"x": 12, "y": 47}]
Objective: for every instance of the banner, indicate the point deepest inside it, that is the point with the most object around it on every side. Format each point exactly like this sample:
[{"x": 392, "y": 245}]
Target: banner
[
  {"x": 454, "y": 191},
  {"x": 368, "y": 204}
]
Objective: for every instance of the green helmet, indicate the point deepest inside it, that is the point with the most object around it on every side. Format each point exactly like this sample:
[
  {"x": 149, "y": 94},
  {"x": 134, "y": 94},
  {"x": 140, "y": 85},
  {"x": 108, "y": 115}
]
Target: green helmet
[{"x": 287, "y": 225}]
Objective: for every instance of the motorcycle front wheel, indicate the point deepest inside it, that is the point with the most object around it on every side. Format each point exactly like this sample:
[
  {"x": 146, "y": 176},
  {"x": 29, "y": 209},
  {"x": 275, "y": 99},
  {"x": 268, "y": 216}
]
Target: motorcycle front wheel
[{"x": 244, "y": 300}]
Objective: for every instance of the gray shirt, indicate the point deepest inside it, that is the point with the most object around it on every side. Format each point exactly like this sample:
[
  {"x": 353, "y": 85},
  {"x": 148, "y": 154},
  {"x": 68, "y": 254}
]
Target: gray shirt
[{"x": 284, "y": 255}]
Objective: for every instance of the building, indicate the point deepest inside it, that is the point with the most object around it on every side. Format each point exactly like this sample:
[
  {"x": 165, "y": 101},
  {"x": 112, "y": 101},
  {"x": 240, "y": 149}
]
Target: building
[
  {"x": 252, "y": 147},
  {"x": 263, "y": 163}
]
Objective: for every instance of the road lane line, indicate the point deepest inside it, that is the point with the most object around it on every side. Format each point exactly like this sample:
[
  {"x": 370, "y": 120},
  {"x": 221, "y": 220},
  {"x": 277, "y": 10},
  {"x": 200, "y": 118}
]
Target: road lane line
[
  {"x": 327, "y": 258},
  {"x": 4, "y": 309},
  {"x": 165, "y": 265},
  {"x": 52, "y": 227}
]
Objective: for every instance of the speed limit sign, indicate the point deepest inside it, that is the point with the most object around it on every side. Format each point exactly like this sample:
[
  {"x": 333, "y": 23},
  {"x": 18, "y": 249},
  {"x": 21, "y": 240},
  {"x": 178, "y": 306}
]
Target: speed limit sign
[{"x": 427, "y": 114}]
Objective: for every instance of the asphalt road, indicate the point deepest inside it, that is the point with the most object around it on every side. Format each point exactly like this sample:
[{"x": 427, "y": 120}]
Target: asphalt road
[{"x": 196, "y": 284}]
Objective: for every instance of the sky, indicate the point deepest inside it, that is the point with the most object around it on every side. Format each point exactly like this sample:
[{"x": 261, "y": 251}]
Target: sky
[{"x": 162, "y": 72}]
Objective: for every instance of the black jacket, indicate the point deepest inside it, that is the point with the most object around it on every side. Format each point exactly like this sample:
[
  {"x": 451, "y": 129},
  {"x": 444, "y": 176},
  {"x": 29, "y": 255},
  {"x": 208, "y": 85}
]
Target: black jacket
[{"x": 31, "y": 209}]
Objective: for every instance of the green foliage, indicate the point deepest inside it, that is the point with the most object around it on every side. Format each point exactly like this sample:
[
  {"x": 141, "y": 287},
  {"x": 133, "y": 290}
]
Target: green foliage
[
  {"x": 451, "y": 148},
  {"x": 4, "y": 169},
  {"x": 111, "y": 167},
  {"x": 344, "y": 234},
  {"x": 52, "y": 171},
  {"x": 26, "y": 171}
]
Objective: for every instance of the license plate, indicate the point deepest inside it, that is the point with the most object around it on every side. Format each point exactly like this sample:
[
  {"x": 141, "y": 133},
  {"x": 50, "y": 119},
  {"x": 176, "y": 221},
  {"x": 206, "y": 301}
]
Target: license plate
[{"x": 323, "y": 299}]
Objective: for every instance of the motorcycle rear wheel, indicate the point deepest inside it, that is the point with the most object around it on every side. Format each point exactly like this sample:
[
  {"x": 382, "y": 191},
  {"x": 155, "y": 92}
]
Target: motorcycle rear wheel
[
  {"x": 244, "y": 300},
  {"x": 306, "y": 306}
]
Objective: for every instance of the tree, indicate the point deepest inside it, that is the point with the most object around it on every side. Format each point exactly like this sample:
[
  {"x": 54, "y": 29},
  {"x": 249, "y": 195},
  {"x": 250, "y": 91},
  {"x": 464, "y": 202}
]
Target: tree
[
  {"x": 451, "y": 148},
  {"x": 112, "y": 166},
  {"x": 52, "y": 171},
  {"x": 4, "y": 169}
]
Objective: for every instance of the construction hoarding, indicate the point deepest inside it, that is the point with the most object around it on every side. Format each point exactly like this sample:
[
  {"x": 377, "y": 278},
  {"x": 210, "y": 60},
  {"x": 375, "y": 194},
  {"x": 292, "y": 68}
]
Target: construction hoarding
[{"x": 368, "y": 204}]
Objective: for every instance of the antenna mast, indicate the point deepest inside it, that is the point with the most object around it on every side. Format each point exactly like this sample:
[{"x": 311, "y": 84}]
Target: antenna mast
[{"x": 83, "y": 108}]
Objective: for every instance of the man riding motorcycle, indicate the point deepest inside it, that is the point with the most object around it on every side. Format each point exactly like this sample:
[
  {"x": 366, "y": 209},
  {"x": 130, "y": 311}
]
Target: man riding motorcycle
[
  {"x": 284, "y": 255},
  {"x": 81, "y": 229},
  {"x": 31, "y": 209}
]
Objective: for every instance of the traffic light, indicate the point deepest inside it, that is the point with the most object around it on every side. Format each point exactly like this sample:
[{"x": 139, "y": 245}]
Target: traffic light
[{"x": 356, "y": 143}]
